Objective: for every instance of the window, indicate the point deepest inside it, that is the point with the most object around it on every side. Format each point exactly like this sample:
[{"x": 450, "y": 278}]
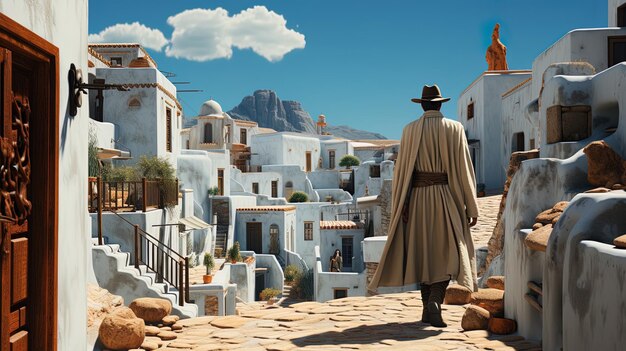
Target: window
[
  {"x": 621, "y": 16},
  {"x": 375, "y": 171},
  {"x": 188, "y": 144},
  {"x": 617, "y": 50},
  {"x": 331, "y": 159},
  {"x": 274, "y": 188},
  {"x": 470, "y": 110},
  {"x": 168, "y": 129},
  {"x": 116, "y": 61},
  {"x": 308, "y": 230},
  {"x": 255, "y": 188},
  {"x": 220, "y": 181},
  {"x": 243, "y": 136},
  {"x": 288, "y": 190},
  {"x": 532, "y": 144},
  {"x": 274, "y": 240},
  {"x": 340, "y": 293},
  {"x": 518, "y": 142},
  {"x": 568, "y": 123},
  {"x": 346, "y": 251},
  {"x": 208, "y": 133},
  {"x": 227, "y": 137},
  {"x": 308, "y": 161}
]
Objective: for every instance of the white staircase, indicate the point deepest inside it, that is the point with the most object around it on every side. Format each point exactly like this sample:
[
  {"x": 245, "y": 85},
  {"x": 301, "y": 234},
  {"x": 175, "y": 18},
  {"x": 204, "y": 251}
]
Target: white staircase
[{"x": 114, "y": 272}]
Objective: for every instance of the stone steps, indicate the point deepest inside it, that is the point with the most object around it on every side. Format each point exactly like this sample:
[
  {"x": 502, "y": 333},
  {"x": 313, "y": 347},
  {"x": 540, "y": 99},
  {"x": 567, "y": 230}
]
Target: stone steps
[{"x": 114, "y": 272}]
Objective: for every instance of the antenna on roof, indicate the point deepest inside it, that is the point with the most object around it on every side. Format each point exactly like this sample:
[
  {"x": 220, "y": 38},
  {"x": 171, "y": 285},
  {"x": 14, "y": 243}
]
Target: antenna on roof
[
  {"x": 168, "y": 74},
  {"x": 190, "y": 91}
]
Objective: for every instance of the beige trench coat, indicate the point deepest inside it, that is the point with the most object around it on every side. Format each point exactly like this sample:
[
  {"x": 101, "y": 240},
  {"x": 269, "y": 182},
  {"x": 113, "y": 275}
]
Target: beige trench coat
[{"x": 402, "y": 262}]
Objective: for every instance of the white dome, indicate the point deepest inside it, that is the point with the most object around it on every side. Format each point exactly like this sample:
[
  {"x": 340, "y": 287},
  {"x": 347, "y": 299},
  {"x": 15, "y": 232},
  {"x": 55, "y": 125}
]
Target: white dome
[{"x": 211, "y": 108}]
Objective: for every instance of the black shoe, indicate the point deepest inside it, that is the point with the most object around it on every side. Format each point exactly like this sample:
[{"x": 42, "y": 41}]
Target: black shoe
[
  {"x": 425, "y": 318},
  {"x": 434, "y": 315}
]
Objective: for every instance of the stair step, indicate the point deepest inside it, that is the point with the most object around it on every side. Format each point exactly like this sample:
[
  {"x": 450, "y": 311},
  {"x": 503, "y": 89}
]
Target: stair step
[
  {"x": 532, "y": 300},
  {"x": 536, "y": 287}
]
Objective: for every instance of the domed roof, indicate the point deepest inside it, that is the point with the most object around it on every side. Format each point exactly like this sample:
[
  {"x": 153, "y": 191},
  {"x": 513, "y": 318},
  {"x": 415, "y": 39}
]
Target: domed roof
[
  {"x": 139, "y": 62},
  {"x": 211, "y": 108}
]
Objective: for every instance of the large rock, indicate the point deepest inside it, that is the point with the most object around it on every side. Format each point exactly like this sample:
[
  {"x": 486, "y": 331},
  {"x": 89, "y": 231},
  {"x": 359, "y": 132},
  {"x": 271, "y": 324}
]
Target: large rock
[
  {"x": 502, "y": 326},
  {"x": 151, "y": 310},
  {"x": 457, "y": 295},
  {"x": 490, "y": 299},
  {"x": 605, "y": 167},
  {"x": 122, "y": 330},
  {"x": 620, "y": 241},
  {"x": 496, "y": 282},
  {"x": 538, "y": 239},
  {"x": 496, "y": 242},
  {"x": 475, "y": 318},
  {"x": 266, "y": 108}
]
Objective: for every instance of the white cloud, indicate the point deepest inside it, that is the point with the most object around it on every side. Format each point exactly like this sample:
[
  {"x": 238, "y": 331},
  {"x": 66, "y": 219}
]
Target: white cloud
[
  {"x": 131, "y": 33},
  {"x": 206, "y": 34}
]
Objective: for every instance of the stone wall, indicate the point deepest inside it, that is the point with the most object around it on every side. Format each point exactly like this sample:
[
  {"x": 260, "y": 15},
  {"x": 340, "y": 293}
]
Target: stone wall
[
  {"x": 211, "y": 306},
  {"x": 384, "y": 200},
  {"x": 370, "y": 269}
]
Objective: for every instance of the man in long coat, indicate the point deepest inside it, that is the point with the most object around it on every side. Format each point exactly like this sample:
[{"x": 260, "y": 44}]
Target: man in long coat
[{"x": 433, "y": 207}]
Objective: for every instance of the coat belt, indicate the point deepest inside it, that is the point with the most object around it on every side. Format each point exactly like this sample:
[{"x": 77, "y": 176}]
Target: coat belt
[{"x": 424, "y": 179}]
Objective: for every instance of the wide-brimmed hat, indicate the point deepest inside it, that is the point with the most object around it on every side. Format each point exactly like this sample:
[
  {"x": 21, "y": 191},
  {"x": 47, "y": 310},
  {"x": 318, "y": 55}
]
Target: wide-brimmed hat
[{"x": 430, "y": 93}]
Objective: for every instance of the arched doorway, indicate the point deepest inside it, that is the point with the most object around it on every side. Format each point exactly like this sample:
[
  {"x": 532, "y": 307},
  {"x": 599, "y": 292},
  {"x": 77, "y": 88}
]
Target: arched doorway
[
  {"x": 208, "y": 133},
  {"x": 274, "y": 239}
]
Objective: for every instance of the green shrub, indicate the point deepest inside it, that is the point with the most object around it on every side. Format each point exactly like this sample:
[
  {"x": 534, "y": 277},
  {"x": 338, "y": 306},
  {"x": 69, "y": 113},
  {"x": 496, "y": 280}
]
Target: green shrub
[
  {"x": 302, "y": 287},
  {"x": 349, "y": 161},
  {"x": 291, "y": 272},
  {"x": 299, "y": 196},
  {"x": 233, "y": 252},
  {"x": 153, "y": 167},
  {"x": 268, "y": 293},
  {"x": 122, "y": 174},
  {"x": 214, "y": 191}
]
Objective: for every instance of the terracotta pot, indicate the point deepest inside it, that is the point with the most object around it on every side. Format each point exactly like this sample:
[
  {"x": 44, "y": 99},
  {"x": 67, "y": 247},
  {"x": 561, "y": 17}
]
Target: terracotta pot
[
  {"x": 270, "y": 302},
  {"x": 233, "y": 261},
  {"x": 207, "y": 278},
  {"x": 481, "y": 194}
]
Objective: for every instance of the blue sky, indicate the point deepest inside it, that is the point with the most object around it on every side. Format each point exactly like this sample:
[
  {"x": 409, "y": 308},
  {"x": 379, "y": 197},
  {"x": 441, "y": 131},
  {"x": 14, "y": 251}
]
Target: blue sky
[{"x": 363, "y": 60}]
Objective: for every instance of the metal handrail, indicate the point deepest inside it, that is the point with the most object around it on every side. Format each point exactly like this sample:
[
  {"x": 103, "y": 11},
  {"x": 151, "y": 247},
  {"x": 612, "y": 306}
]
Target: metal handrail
[{"x": 173, "y": 268}]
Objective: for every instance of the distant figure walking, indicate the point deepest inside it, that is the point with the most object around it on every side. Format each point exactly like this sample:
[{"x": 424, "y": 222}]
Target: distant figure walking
[
  {"x": 336, "y": 262},
  {"x": 433, "y": 207}
]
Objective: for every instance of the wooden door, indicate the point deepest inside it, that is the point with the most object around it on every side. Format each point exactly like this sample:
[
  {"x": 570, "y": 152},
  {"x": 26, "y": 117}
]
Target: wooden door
[
  {"x": 254, "y": 237},
  {"x": 28, "y": 189}
]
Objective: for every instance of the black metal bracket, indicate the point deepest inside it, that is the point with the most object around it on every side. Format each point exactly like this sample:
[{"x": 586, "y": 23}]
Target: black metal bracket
[{"x": 77, "y": 88}]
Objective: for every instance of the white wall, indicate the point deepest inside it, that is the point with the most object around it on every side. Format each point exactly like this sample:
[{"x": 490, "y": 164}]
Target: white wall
[
  {"x": 267, "y": 219},
  {"x": 486, "y": 126},
  {"x": 514, "y": 121},
  {"x": 326, "y": 282},
  {"x": 341, "y": 147},
  {"x": 307, "y": 212},
  {"x": 74, "y": 254},
  {"x": 613, "y": 5},
  {"x": 331, "y": 240},
  {"x": 284, "y": 149},
  {"x": 141, "y": 129},
  {"x": 263, "y": 179}
]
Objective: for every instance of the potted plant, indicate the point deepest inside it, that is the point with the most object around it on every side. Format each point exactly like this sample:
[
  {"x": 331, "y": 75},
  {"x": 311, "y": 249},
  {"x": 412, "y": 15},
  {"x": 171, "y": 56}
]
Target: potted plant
[
  {"x": 269, "y": 295},
  {"x": 209, "y": 263},
  {"x": 233, "y": 253}
]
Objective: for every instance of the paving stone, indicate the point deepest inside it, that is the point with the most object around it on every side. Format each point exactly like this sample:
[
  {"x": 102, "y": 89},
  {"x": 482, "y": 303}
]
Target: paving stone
[
  {"x": 229, "y": 322},
  {"x": 167, "y": 335}
]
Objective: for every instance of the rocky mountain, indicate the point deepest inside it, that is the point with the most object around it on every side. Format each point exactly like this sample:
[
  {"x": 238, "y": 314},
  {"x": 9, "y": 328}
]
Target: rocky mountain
[{"x": 266, "y": 108}]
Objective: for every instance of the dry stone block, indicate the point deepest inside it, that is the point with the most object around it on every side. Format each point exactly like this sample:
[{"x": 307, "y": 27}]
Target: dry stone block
[
  {"x": 490, "y": 299},
  {"x": 561, "y": 206},
  {"x": 496, "y": 282},
  {"x": 457, "y": 295},
  {"x": 151, "y": 309},
  {"x": 547, "y": 216},
  {"x": 475, "y": 318},
  {"x": 152, "y": 330},
  {"x": 605, "y": 167},
  {"x": 537, "y": 226},
  {"x": 620, "y": 241},
  {"x": 167, "y": 335},
  {"x": 502, "y": 326},
  {"x": 538, "y": 239},
  {"x": 122, "y": 330}
]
